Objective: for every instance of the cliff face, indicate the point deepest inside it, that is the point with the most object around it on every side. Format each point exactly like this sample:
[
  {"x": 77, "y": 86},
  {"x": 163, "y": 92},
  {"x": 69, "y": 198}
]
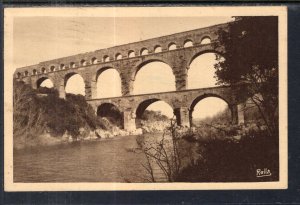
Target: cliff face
[{"x": 41, "y": 117}]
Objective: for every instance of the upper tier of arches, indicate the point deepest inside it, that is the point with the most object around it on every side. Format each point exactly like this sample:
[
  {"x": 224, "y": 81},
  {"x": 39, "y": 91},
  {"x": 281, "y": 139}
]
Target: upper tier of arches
[{"x": 117, "y": 55}]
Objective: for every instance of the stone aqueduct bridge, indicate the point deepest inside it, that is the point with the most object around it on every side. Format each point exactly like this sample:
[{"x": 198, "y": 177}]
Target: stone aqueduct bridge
[
  {"x": 182, "y": 102},
  {"x": 177, "y": 50}
]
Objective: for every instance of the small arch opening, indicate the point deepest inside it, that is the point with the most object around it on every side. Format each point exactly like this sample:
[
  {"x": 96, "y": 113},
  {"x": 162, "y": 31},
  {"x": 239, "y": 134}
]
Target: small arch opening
[
  {"x": 94, "y": 60},
  {"x": 52, "y": 68},
  {"x": 34, "y": 72},
  {"x": 26, "y": 73},
  {"x": 144, "y": 51},
  {"x": 157, "y": 49},
  {"x": 19, "y": 75},
  {"x": 83, "y": 62},
  {"x": 72, "y": 65},
  {"x": 118, "y": 56},
  {"x": 43, "y": 70},
  {"x": 131, "y": 54},
  {"x": 106, "y": 58},
  {"x": 62, "y": 66},
  {"x": 172, "y": 46},
  {"x": 205, "y": 40},
  {"x": 188, "y": 43}
]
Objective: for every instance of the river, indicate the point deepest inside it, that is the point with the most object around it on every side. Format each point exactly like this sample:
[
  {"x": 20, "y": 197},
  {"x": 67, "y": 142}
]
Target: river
[{"x": 109, "y": 160}]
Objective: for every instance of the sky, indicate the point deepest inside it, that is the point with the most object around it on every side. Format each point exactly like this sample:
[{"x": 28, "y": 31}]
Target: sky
[{"x": 38, "y": 39}]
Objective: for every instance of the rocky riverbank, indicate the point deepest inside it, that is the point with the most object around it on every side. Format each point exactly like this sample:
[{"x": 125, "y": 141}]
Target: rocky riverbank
[
  {"x": 47, "y": 139},
  {"x": 86, "y": 134}
]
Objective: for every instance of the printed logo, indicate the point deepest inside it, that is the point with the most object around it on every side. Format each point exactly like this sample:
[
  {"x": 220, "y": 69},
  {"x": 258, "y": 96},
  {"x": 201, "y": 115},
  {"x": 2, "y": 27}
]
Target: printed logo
[{"x": 263, "y": 172}]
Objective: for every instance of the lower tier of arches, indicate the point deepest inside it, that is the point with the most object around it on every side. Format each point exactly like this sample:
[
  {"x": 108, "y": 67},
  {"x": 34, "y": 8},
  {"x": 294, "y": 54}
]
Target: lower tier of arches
[{"x": 130, "y": 119}]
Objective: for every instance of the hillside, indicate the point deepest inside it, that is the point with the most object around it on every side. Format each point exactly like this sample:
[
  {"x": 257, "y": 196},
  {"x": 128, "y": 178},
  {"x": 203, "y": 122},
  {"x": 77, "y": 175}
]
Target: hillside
[{"x": 42, "y": 113}]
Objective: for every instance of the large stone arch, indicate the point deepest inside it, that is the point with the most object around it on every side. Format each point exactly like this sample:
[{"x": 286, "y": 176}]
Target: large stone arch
[
  {"x": 140, "y": 66},
  {"x": 196, "y": 54},
  {"x": 67, "y": 76},
  {"x": 40, "y": 80},
  {"x": 143, "y": 105},
  {"x": 199, "y": 98},
  {"x": 97, "y": 74},
  {"x": 200, "y": 68},
  {"x": 112, "y": 112},
  {"x": 99, "y": 71}
]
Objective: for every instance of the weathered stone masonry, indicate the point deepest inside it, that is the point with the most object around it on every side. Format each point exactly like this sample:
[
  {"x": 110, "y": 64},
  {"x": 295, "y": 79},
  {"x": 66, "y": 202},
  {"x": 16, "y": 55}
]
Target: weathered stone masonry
[{"x": 90, "y": 65}]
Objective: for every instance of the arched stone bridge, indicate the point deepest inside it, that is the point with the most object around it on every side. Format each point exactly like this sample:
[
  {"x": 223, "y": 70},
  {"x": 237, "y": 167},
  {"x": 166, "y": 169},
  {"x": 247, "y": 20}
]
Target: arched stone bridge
[
  {"x": 182, "y": 103},
  {"x": 177, "y": 50}
]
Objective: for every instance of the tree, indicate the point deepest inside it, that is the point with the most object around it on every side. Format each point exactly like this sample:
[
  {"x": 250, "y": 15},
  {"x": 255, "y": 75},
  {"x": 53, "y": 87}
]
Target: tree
[
  {"x": 251, "y": 56},
  {"x": 28, "y": 117},
  {"x": 169, "y": 154}
]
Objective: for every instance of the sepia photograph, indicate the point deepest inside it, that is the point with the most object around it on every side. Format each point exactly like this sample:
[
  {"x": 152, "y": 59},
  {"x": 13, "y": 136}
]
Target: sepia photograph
[{"x": 145, "y": 98}]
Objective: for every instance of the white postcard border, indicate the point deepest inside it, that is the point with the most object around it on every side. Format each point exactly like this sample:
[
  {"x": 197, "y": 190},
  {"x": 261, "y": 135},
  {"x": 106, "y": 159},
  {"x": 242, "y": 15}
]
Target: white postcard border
[{"x": 11, "y": 13}]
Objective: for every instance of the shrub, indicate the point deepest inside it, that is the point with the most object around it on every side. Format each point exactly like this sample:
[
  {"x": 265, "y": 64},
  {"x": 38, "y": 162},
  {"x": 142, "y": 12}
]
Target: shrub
[
  {"x": 35, "y": 114},
  {"x": 231, "y": 160},
  {"x": 153, "y": 116}
]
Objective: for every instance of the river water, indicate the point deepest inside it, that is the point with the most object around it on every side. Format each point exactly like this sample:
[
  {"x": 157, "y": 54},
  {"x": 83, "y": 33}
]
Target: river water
[{"x": 109, "y": 160}]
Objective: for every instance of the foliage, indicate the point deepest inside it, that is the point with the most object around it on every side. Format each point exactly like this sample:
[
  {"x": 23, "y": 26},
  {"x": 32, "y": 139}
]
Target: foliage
[
  {"x": 153, "y": 116},
  {"x": 27, "y": 118},
  {"x": 222, "y": 117},
  {"x": 165, "y": 154},
  {"x": 251, "y": 114},
  {"x": 251, "y": 56},
  {"x": 36, "y": 113},
  {"x": 231, "y": 160},
  {"x": 45, "y": 90},
  {"x": 231, "y": 153},
  {"x": 112, "y": 114},
  {"x": 213, "y": 150}
]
